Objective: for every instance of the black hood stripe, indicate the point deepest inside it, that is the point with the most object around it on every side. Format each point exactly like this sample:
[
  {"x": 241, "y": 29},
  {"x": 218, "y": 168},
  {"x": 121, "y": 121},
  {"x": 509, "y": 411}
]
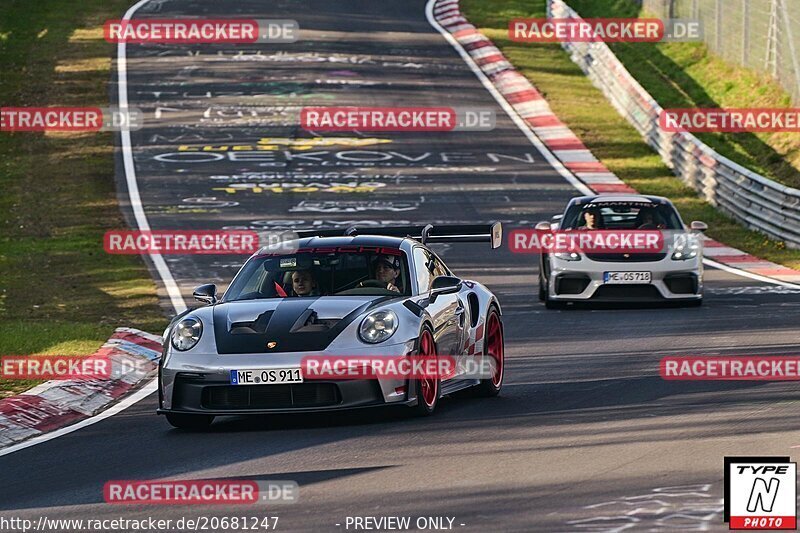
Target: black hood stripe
[{"x": 242, "y": 338}]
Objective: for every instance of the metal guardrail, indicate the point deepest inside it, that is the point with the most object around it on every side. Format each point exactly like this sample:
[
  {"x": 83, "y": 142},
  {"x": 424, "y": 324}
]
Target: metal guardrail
[{"x": 756, "y": 201}]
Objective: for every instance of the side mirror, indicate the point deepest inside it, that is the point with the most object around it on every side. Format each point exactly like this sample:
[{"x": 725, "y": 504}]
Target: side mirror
[
  {"x": 444, "y": 285},
  {"x": 556, "y": 218},
  {"x": 496, "y": 235},
  {"x": 206, "y": 294},
  {"x": 696, "y": 225},
  {"x": 543, "y": 226}
]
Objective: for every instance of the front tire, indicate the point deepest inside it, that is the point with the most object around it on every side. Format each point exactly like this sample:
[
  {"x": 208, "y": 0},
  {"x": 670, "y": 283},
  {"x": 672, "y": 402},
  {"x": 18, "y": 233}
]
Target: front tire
[
  {"x": 427, "y": 389},
  {"x": 549, "y": 303},
  {"x": 190, "y": 422},
  {"x": 543, "y": 286},
  {"x": 552, "y": 304},
  {"x": 544, "y": 295}
]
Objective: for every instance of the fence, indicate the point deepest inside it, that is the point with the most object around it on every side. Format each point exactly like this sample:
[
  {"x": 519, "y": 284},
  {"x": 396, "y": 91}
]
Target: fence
[
  {"x": 754, "y": 200},
  {"x": 759, "y": 34}
]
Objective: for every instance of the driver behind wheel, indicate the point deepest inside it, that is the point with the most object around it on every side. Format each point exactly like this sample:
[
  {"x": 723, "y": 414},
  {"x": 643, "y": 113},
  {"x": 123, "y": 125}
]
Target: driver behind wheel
[
  {"x": 387, "y": 270},
  {"x": 646, "y": 219},
  {"x": 303, "y": 283}
]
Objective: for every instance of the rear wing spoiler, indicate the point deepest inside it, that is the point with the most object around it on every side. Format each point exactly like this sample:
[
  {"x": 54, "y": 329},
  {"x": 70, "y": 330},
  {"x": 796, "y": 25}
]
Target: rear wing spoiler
[{"x": 491, "y": 233}]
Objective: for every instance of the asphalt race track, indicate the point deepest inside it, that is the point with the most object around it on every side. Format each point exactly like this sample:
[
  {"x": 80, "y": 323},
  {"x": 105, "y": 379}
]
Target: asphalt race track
[{"x": 585, "y": 436}]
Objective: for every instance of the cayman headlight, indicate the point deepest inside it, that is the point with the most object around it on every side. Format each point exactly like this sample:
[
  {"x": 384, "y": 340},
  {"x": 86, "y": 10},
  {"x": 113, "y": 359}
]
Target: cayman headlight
[
  {"x": 568, "y": 256},
  {"x": 686, "y": 247},
  {"x": 378, "y": 326},
  {"x": 186, "y": 333}
]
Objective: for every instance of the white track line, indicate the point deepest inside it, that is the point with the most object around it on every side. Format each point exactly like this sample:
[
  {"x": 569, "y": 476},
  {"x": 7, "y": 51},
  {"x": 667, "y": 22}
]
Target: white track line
[
  {"x": 173, "y": 291},
  {"x": 554, "y": 162},
  {"x": 130, "y": 172},
  {"x": 548, "y": 155},
  {"x": 751, "y": 275}
]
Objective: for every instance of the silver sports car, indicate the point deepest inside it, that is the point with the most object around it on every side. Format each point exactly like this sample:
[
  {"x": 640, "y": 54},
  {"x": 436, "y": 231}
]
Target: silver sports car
[
  {"x": 673, "y": 273},
  {"x": 334, "y": 294}
]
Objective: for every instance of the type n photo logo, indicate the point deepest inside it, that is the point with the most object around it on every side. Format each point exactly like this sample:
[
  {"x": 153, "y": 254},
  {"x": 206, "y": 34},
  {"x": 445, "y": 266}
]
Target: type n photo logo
[{"x": 760, "y": 493}]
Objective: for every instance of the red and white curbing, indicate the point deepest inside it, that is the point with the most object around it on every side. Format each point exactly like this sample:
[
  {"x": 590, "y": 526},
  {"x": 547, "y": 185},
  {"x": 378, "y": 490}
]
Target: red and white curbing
[
  {"x": 738, "y": 259},
  {"x": 532, "y": 107},
  {"x": 55, "y": 404},
  {"x": 528, "y": 102}
]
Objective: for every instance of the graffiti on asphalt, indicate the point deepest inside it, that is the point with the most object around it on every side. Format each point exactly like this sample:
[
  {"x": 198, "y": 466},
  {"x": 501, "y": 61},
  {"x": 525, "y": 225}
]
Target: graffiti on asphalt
[
  {"x": 284, "y": 187},
  {"x": 683, "y": 508},
  {"x": 293, "y": 143},
  {"x": 278, "y": 224},
  {"x": 208, "y": 201},
  {"x": 310, "y": 176},
  {"x": 280, "y": 152},
  {"x": 355, "y": 206}
]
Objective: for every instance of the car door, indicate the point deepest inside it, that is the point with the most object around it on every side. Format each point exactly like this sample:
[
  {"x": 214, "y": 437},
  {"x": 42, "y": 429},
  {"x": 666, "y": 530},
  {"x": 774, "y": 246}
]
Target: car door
[{"x": 446, "y": 311}]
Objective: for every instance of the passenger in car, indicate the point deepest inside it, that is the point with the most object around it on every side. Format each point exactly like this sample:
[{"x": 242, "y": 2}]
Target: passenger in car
[{"x": 592, "y": 219}]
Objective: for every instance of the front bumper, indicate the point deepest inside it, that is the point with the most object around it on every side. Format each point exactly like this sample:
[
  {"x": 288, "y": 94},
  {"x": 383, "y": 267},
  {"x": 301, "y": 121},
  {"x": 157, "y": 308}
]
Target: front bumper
[
  {"x": 204, "y": 395},
  {"x": 582, "y": 281},
  {"x": 200, "y": 384}
]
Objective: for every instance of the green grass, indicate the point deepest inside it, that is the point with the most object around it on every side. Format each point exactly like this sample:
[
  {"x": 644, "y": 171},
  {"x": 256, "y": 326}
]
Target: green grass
[
  {"x": 60, "y": 293},
  {"x": 688, "y": 75},
  {"x": 587, "y": 112}
]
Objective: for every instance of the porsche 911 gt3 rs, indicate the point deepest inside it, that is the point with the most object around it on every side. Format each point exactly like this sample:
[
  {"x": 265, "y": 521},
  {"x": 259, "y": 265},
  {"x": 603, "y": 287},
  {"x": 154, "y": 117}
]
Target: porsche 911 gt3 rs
[{"x": 334, "y": 294}]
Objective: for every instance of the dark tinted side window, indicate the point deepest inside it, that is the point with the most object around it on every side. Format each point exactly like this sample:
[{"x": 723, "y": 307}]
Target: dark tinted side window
[
  {"x": 421, "y": 260},
  {"x": 438, "y": 267}
]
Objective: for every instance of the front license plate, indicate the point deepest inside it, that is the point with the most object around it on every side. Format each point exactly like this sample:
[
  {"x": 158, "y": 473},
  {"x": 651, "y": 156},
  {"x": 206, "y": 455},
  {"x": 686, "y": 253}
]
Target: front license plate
[
  {"x": 272, "y": 376},
  {"x": 621, "y": 278}
]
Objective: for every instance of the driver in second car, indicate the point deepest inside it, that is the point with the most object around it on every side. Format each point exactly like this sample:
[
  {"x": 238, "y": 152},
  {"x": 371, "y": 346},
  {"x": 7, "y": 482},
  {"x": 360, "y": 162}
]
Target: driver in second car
[{"x": 387, "y": 270}]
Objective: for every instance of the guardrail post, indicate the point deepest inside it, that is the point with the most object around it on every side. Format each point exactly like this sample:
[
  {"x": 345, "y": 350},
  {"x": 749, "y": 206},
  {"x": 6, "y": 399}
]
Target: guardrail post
[
  {"x": 787, "y": 21},
  {"x": 745, "y": 32}
]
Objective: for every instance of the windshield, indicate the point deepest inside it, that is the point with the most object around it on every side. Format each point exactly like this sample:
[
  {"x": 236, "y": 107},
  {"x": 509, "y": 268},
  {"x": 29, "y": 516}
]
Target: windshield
[
  {"x": 314, "y": 272},
  {"x": 622, "y": 216}
]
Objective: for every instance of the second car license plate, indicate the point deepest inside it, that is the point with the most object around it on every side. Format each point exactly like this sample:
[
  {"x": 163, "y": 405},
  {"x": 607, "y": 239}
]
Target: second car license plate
[
  {"x": 627, "y": 277},
  {"x": 272, "y": 376}
]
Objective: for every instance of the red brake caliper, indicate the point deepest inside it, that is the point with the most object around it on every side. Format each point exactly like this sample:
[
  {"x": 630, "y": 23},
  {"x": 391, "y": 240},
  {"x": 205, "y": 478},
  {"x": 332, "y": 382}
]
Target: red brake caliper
[{"x": 429, "y": 383}]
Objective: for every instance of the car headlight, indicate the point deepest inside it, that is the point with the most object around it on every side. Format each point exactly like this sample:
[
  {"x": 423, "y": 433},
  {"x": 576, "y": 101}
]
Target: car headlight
[
  {"x": 685, "y": 248},
  {"x": 186, "y": 333},
  {"x": 378, "y": 326},
  {"x": 568, "y": 256}
]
